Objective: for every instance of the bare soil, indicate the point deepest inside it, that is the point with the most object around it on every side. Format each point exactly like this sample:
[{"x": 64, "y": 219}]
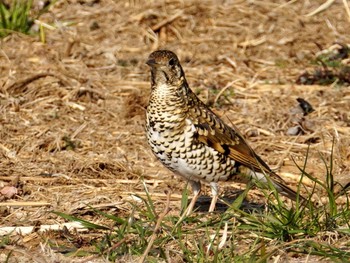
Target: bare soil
[{"x": 72, "y": 109}]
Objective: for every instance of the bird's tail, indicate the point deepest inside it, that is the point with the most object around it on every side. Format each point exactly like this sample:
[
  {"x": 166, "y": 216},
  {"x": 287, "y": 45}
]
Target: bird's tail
[
  {"x": 288, "y": 192},
  {"x": 264, "y": 179}
]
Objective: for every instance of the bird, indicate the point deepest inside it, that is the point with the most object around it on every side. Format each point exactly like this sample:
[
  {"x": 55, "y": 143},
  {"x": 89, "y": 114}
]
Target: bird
[{"x": 193, "y": 142}]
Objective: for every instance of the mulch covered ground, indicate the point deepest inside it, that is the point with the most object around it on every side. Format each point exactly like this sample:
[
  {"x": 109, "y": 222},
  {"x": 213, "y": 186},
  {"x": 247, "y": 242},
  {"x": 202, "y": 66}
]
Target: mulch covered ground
[{"x": 72, "y": 109}]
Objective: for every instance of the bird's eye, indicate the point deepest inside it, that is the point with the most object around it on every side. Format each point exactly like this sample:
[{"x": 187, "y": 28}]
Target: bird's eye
[{"x": 171, "y": 62}]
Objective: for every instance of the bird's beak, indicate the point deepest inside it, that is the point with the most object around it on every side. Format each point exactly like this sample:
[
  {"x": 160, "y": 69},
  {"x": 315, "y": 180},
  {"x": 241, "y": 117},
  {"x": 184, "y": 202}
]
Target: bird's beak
[{"x": 151, "y": 62}]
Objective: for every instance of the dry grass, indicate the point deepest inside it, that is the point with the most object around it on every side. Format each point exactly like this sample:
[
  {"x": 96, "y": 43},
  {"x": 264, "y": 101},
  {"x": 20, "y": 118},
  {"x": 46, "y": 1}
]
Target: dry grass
[{"x": 72, "y": 110}]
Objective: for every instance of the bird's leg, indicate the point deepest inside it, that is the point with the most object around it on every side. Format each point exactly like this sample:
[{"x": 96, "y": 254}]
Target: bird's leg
[
  {"x": 196, "y": 188},
  {"x": 214, "y": 193}
]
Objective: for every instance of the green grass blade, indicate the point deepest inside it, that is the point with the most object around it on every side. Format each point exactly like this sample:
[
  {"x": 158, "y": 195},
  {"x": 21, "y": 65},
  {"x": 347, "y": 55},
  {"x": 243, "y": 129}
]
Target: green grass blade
[
  {"x": 239, "y": 200},
  {"x": 4, "y": 16},
  {"x": 116, "y": 219},
  {"x": 85, "y": 223},
  {"x": 18, "y": 17},
  {"x": 149, "y": 203}
]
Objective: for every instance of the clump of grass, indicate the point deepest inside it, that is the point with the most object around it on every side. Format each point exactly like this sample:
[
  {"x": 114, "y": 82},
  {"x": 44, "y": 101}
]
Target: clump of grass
[
  {"x": 237, "y": 235},
  {"x": 329, "y": 68},
  {"x": 303, "y": 229},
  {"x": 15, "y": 17},
  {"x": 18, "y": 16},
  {"x": 6, "y": 245}
]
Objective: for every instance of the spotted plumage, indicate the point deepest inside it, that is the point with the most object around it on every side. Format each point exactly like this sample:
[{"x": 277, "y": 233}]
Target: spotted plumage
[{"x": 191, "y": 140}]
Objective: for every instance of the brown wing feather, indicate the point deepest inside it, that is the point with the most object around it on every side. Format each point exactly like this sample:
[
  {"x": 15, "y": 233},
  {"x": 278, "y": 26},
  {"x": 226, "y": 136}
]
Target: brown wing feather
[
  {"x": 224, "y": 139},
  {"x": 239, "y": 150},
  {"x": 213, "y": 132}
]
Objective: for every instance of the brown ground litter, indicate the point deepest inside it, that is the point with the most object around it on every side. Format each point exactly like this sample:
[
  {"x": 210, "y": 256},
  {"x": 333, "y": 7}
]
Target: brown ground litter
[{"x": 72, "y": 110}]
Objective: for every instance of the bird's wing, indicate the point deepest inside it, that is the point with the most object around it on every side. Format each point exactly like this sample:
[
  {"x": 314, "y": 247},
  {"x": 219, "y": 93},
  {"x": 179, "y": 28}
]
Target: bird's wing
[
  {"x": 214, "y": 133},
  {"x": 230, "y": 144}
]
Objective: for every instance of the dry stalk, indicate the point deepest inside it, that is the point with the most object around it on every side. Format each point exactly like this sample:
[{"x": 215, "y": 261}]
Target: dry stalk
[
  {"x": 156, "y": 229},
  {"x": 166, "y": 21},
  {"x": 20, "y": 84},
  {"x": 321, "y": 8}
]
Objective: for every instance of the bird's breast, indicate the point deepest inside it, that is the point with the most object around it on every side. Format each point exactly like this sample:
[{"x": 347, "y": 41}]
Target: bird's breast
[
  {"x": 174, "y": 142},
  {"x": 173, "y": 137}
]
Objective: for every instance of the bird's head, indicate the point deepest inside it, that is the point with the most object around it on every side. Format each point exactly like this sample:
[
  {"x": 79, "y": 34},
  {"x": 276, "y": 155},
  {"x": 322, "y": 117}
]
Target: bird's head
[{"x": 165, "y": 68}]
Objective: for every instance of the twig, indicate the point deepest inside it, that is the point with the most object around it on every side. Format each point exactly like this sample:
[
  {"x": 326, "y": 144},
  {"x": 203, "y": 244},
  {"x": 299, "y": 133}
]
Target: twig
[
  {"x": 166, "y": 21},
  {"x": 347, "y": 9},
  {"x": 223, "y": 90},
  {"x": 321, "y": 8},
  {"x": 26, "y": 230},
  {"x": 24, "y": 204},
  {"x": 156, "y": 229},
  {"x": 286, "y": 4},
  {"x": 224, "y": 237},
  {"x": 91, "y": 258},
  {"x": 77, "y": 131},
  {"x": 18, "y": 85},
  {"x": 286, "y": 153},
  {"x": 123, "y": 240}
]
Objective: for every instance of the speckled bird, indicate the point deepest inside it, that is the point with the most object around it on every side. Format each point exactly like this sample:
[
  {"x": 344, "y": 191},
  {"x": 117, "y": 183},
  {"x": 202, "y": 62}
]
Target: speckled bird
[{"x": 192, "y": 141}]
